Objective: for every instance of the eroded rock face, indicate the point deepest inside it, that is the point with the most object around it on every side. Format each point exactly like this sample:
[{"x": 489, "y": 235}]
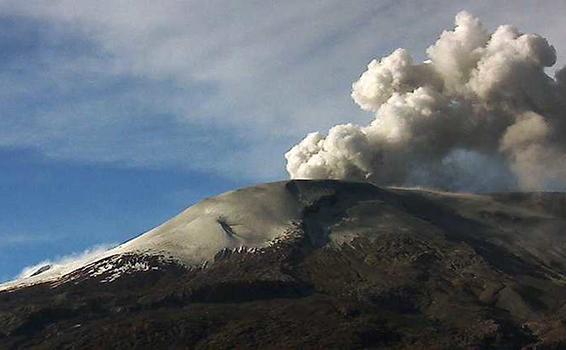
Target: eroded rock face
[{"x": 319, "y": 264}]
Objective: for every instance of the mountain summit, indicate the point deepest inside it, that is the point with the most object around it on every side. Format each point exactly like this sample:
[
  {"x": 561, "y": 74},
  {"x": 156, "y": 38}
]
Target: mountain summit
[{"x": 313, "y": 264}]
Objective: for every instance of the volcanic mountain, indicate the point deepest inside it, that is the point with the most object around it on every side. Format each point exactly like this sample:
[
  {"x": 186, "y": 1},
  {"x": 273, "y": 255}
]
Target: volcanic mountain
[{"x": 313, "y": 264}]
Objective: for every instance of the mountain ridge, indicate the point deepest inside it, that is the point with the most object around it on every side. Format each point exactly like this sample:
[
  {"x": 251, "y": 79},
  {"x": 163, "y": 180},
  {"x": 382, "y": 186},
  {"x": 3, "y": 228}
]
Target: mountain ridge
[{"x": 317, "y": 264}]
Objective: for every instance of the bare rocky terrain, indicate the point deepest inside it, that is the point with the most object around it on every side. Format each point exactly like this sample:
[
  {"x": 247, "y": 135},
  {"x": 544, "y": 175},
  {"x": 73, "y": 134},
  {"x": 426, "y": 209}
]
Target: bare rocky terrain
[{"x": 347, "y": 265}]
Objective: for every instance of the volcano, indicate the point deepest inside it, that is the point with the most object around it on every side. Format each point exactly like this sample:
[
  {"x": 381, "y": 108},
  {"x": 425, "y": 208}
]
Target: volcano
[{"x": 313, "y": 264}]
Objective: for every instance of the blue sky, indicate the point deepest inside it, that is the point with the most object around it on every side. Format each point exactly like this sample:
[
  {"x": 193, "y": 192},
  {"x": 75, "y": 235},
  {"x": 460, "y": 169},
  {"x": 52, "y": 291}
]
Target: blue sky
[{"x": 116, "y": 115}]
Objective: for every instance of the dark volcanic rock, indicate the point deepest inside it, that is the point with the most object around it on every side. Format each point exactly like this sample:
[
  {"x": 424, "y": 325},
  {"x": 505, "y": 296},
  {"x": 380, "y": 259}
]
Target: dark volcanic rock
[{"x": 364, "y": 267}]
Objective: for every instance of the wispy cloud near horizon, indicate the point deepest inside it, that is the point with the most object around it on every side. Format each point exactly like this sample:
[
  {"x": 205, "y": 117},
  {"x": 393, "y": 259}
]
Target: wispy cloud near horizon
[{"x": 57, "y": 266}]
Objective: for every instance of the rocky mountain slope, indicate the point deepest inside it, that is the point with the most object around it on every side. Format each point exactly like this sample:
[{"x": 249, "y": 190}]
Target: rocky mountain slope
[{"x": 314, "y": 264}]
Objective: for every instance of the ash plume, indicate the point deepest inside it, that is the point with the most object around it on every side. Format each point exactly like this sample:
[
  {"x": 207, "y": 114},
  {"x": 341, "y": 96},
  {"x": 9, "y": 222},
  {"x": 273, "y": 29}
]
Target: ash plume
[{"x": 480, "y": 114}]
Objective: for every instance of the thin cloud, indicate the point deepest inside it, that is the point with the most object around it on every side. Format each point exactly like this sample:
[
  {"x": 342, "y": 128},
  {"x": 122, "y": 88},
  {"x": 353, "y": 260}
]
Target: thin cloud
[{"x": 8, "y": 240}]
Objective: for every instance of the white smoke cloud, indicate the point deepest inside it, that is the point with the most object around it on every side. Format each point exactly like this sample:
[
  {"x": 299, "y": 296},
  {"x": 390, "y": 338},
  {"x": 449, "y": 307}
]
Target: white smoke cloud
[
  {"x": 49, "y": 270},
  {"x": 481, "y": 98}
]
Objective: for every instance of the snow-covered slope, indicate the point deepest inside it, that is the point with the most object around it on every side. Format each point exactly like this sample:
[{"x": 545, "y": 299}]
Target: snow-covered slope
[
  {"x": 256, "y": 217},
  {"x": 250, "y": 217}
]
